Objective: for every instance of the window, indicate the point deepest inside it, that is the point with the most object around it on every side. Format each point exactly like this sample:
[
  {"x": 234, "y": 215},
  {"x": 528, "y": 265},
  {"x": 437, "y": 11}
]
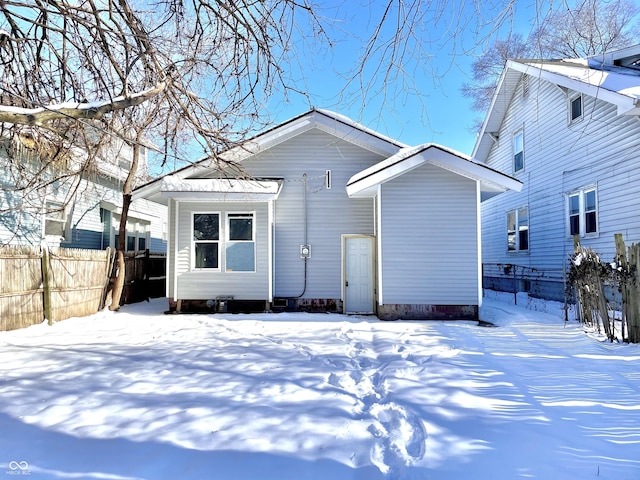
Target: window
[
  {"x": 518, "y": 230},
  {"x": 575, "y": 108},
  {"x": 583, "y": 212},
  {"x": 206, "y": 239},
  {"x": 240, "y": 253},
  {"x": 518, "y": 151},
  {"x": 55, "y": 219},
  {"x": 137, "y": 231},
  {"x": 525, "y": 85}
]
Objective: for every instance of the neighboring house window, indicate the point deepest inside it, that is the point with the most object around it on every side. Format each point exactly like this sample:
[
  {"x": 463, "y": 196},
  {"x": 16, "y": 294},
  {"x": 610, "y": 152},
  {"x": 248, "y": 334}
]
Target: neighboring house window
[
  {"x": 518, "y": 151},
  {"x": 240, "y": 251},
  {"x": 55, "y": 219},
  {"x": 525, "y": 85},
  {"x": 575, "y": 108},
  {"x": 518, "y": 230},
  {"x": 206, "y": 240},
  {"x": 583, "y": 212},
  {"x": 137, "y": 233}
]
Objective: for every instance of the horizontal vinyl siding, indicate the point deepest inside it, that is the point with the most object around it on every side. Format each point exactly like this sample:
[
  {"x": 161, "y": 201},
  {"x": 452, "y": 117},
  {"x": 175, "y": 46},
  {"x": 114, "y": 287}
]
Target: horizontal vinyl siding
[
  {"x": 171, "y": 248},
  {"x": 429, "y": 239},
  {"x": 208, "y": 284},
  {"x": 86, "y": 222},
  {"x": 602, "y": 150},
  {"x": 330, "y": 213}
]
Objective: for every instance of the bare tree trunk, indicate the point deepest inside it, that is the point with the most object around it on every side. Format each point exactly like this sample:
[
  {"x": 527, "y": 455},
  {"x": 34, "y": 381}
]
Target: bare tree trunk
[
  {"x": 117, "y": 281},
  {"x": 118, "y": 274}
]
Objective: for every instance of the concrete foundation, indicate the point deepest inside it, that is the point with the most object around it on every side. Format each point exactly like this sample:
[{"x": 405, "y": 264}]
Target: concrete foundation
[{"x": 427, "y": 312}]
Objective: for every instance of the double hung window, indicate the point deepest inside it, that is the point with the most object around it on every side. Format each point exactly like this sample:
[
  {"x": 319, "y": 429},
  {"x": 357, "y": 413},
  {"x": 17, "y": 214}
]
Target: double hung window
[
  {"x": 583, "y": 212},
  {"x": 518, "y": 230},
  {"x": 55, "y": 219},
  {"x": 240, "y": 248},
  {"x": 224, "y": 242},
  {"x": 206, "y": 240},
  {"x": 518, "y": 151}
]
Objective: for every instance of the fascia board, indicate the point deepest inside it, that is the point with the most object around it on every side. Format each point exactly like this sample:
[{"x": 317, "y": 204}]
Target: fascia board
[
  {"x": 487, "y": 177},
  {"x": 370, "y": 182},
  {"x": 357, "y": 134},
  {"x": 624, "y": 103},
  {"x": 496, "y": 112}
]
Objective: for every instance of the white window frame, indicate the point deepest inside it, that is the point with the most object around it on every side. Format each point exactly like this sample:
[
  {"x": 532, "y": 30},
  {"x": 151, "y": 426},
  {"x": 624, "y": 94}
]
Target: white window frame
[
  {"x": 229, "y": 242},
  {"x": 136, "y": 229},
  {"x": 218, "y": 241},
  {"x": 570, "y": 100},
  {"x": 514, "y": 152},
  {"x": 582, "y": 211},
  {"x": 55, "y": 211},
  {"x": 518, "y": 227}
]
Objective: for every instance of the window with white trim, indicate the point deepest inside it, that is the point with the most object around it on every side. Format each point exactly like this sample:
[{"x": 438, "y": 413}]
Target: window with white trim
[
  {"x": 137, "y": 232},
  {"x": 518, "y": 151},
  {"x": 583, "y": 212},
  {"x": 240, "y": 248},
  {"x": 575, "y": 108},
  {"x": 206, "y": 240},
  {"x": 55, "y": 219},
  {"x": 518, "y": 229}
]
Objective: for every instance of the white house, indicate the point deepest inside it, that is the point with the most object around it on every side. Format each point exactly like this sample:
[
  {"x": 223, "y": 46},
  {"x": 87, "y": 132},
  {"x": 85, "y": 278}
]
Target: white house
[
  {"x": 570, "y": 131},
  {"x": 41, "y": 202},
  {"x": 329, "y": 215}
]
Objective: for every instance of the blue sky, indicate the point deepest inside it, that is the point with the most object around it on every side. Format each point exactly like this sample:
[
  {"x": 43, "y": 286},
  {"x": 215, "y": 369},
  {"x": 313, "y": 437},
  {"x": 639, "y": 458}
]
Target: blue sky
[{"x": 424, "y": 106}]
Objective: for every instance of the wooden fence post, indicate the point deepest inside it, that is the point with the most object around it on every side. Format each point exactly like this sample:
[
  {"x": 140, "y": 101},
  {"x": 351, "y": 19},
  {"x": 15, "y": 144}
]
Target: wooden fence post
[
  {"x": 633, "y": 321},
  {"x": 46, "y": 284}
]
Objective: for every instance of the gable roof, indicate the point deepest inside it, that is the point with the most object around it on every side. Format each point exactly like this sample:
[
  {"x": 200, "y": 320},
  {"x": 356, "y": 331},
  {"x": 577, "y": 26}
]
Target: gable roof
[
  {"x": 327, "y": 121},
  {"x": 492, "y": 182},
  {"x": 613, "y": 77}
]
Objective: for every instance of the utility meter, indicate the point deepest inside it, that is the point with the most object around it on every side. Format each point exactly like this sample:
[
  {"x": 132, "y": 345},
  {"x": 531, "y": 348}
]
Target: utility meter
[{"x": 305, "y": 251}]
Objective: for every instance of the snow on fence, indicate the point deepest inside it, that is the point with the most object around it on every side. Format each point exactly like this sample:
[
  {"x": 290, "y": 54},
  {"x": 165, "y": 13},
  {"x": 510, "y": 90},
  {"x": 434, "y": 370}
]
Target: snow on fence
[
  {"x": 53, "y": 284},
  {"x": 590, "y": 276}
]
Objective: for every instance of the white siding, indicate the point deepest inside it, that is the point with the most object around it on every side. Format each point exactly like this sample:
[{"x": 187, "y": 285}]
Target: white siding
[
  {"x": 602, "y": 149},
  {"x": 171, "y": 247},
  {"x": 429, "y": 238},
  {"x": 330, "y": 213},
  {"x": 207, "y": 284}
]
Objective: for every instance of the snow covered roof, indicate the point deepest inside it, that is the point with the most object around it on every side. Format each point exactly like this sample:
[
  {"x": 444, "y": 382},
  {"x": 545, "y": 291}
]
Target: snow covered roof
[
  {"x": 613, "y": 77},
  {"x": 327, "y": 121},
  {"x": 230, "y": 189},
  {"x": 365, "y": 183}
]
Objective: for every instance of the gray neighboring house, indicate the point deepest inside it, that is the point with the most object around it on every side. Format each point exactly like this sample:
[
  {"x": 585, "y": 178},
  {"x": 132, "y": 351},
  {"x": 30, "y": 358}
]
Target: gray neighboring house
[
  {"x": 328, "y": 215},
  {"x": 570, "y": 131}
]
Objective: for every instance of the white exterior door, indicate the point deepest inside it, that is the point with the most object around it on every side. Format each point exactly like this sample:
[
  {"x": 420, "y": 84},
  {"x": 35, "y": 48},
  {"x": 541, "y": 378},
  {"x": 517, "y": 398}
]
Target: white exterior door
[{"x": 358, "y": 274}]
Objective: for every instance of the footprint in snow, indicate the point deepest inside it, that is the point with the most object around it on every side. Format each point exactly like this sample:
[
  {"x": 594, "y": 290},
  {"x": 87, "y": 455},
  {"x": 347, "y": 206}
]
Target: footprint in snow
[{"x": 400, "y": 438}]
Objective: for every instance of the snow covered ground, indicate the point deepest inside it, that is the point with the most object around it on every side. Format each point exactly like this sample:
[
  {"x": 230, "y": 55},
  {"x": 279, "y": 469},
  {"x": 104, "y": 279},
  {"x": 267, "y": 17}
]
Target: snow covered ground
[{"x": 142, "y": 395}]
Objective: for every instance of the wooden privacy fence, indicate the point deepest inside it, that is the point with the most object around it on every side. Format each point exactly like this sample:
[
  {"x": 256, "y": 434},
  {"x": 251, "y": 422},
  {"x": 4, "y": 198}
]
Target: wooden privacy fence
[
  {"x": 591, "y": 277},
  {"x": 144, "y": 276},
  {"x": 56, "y": 284}
]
